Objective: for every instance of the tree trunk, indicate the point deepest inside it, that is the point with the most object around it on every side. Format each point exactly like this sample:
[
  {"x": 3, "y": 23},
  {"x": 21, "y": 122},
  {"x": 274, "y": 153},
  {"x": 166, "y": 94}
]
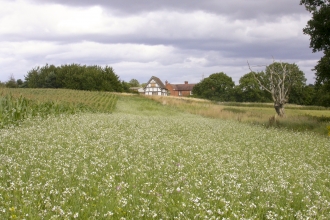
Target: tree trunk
[{"x": 279, "y": 108}]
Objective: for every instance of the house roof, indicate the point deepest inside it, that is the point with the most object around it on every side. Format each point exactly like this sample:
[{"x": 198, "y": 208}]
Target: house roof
[
  {"x": 183, "y": 87},
  {"x": 158, "y": 81}
]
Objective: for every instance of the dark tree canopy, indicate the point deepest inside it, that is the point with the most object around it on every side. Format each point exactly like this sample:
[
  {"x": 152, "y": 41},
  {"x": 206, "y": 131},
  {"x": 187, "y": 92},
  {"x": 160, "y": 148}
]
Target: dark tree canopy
[
  {"x": 304, "y": 95},
  {"x": 318, "y": 28},
  {"x": 249, "y": 90},
  {"x": 217, "y": 86},
  {"x": 74, "y": 76}
]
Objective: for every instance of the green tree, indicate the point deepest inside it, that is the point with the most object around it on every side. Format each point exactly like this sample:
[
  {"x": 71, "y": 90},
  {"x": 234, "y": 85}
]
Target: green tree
[
  {"x": 113, "y": 79},
  {"x": 50, "y": 80},
  {"x": 217, "y": 86},
  {"x": 20, "y": 83},
  {"x": 302, "y": 95},
  {"x": 322, "y": 96},
  {"x": 323, "y": 71},
  {"x": 11, "y": 83},
  {"x": 318, "y": 28},
  {"x": 134, "y": 83},
  {"x": 74, "y": 76},
  {"x": 126, "y": 86},
  {"x": 42, "y": 77},
  {"x": 249, "y": 90}
]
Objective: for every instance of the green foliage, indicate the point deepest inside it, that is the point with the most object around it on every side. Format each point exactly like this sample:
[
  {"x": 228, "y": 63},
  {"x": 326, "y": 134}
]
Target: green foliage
[
  {"x": 303, "y": 95},
  {"x": 318, "y": 27},
  {"x": 134, "y": 83},
  {"x": 318, "y": 30},
  {"x": 322, "y": 72},
  {"x": 126, "y": 86},
  {"x": 249, "y": 90},
  {"x": 74, "y": 76},
  {"x": 11, "y": 83},
  {"x": 217, "y": 86},
  {"x": 322, "y": 96},
  {"x": 20, "y": 83},
  {"x": 294, "y": 80}
]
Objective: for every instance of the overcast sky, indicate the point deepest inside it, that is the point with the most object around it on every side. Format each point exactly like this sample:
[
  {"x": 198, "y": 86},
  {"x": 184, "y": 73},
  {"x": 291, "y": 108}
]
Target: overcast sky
[{"x": 175, "y": 40}]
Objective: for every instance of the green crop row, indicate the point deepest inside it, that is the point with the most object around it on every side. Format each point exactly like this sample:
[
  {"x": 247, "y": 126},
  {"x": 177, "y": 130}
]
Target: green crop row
[
  {"x": 14, "y": 110},
  {"x": 19, "y": 104}
]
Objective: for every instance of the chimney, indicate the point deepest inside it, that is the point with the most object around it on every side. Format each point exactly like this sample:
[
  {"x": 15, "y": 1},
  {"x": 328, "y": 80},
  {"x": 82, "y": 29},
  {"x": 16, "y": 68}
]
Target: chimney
[
  {"x": 185, "y": 82},
  {"x": 166, "y": 82}
]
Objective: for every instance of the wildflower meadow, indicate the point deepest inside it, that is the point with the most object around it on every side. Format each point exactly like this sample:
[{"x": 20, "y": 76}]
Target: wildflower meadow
[{"x": 146, "y": 160}]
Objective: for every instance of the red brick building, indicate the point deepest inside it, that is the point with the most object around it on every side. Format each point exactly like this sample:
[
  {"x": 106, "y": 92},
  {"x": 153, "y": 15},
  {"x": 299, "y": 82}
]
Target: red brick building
[{"x": 179, "y": 89}]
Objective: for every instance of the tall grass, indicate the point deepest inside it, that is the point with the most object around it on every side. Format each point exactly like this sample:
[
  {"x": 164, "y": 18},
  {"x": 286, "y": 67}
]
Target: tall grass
[
  {"x": 298, "y": 118},
  {"x": 287, "y": 106}
]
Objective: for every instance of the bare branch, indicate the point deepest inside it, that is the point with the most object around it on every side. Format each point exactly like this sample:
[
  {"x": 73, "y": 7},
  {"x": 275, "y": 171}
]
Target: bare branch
[
  {"x": 260, "y": 84},
  {"x": 278, "y": 75}
]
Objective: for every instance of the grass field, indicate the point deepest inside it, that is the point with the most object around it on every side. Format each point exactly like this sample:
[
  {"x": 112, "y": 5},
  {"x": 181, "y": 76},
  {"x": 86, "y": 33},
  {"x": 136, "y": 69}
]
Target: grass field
[{"x": 148, "y": 160}]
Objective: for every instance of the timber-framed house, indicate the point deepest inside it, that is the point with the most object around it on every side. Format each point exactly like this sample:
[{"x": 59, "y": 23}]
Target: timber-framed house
[{"x": 155, "y": 87}]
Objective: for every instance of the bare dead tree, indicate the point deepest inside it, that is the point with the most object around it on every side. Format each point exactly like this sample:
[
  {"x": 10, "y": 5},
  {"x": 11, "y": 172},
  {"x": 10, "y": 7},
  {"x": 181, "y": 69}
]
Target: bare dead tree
[{"x": 277, "y": 86}]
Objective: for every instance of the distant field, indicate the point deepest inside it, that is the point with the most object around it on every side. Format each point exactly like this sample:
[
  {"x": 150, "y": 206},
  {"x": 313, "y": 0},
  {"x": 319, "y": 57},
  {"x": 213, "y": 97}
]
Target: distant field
[{"x": 151, "y": 160}]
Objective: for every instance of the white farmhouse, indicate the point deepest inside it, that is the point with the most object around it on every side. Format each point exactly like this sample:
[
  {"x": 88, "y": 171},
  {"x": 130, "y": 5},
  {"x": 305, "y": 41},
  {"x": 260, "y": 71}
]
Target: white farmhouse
[{"x": 155, "y": 87}]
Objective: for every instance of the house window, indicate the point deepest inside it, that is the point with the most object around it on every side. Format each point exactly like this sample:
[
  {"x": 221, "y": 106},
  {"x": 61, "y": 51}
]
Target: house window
[
  {"x": 154, "y": 93},
  {"x": 180, "y": 93},
  {"x": 190, "y": 92}
]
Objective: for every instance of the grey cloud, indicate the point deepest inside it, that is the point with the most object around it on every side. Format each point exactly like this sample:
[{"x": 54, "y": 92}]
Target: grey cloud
[
  {"x": 279, "y": 49},
  {"x": 222, "y": 53},
  {"x": 234, "y": 8}
]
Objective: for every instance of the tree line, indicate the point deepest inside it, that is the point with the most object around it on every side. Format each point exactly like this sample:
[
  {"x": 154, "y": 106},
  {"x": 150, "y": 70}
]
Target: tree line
[
  {"x": 257, "y": 86},
  {"x": 71, "y": 76},
  {"x": 218, "y": 86}
]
